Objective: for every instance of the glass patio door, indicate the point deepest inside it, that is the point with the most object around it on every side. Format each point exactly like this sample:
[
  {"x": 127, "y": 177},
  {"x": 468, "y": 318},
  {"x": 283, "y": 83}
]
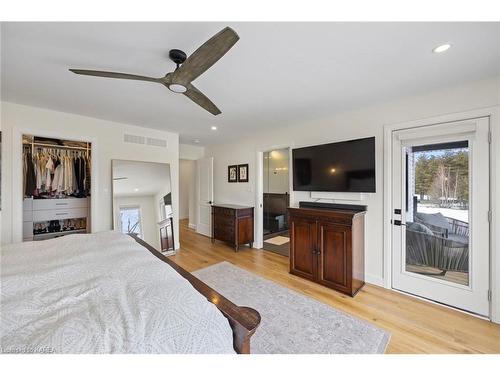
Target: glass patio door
[{"x": 441, "y": 213}]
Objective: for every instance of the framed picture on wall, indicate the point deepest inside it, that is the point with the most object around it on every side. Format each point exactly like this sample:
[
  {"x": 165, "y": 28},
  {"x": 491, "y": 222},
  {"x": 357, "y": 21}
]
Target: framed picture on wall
[
  {"x": 232, "y": 173},
  {"x": 243, "y": 173}
]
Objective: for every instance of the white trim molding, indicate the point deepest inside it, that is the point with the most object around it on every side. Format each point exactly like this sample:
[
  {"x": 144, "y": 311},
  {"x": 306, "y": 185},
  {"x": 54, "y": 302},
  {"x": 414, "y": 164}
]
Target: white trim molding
[{"x": 494, "y": 118}]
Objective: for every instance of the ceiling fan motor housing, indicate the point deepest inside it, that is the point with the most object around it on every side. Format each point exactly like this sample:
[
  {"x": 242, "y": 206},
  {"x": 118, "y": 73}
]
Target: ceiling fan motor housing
[{"x": 177, "y": 56}]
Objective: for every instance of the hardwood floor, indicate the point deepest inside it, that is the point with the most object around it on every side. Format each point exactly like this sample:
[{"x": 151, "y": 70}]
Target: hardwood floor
[{"x": 416, "y": 326}]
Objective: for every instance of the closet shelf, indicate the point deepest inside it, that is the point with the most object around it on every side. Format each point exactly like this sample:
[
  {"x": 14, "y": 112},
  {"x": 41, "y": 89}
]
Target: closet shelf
[{"x": 44, "y": 236}]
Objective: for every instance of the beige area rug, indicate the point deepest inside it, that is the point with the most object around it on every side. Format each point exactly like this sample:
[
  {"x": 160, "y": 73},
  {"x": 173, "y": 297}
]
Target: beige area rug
[
  {"x": 278, "y": 240},
  {"x": 292, "y": 322}
]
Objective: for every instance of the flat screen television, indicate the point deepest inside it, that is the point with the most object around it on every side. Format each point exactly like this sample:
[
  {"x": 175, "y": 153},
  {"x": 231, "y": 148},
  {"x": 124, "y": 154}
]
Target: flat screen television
[{"x": 336, "y": 167}]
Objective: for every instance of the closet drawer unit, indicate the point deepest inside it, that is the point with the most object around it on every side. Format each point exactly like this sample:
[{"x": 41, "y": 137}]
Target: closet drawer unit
[
  {"x": 70, "y": 213},
  {"x": 28, "y": 216},
  {"x": 57, "y": 204}
]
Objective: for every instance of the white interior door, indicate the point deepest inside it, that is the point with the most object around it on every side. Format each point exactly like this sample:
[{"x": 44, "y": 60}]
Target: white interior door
[
  {"x": 205, "y": 182},
  {"x": 440, "y": 213}
]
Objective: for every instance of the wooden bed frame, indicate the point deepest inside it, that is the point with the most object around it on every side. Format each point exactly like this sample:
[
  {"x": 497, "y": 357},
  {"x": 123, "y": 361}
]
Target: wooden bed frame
[{"x": 243, "y": 320}]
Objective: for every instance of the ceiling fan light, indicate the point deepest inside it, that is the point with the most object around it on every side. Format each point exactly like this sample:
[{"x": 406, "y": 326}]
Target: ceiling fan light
[{"x": 175, "y": 87}]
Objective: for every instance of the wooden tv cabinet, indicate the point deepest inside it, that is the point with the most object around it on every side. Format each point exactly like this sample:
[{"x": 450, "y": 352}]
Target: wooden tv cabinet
[{"x": 327, "y": 246}]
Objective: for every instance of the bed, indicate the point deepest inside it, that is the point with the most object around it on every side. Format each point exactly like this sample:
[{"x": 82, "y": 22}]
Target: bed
[{"x": 112, "y": 293}]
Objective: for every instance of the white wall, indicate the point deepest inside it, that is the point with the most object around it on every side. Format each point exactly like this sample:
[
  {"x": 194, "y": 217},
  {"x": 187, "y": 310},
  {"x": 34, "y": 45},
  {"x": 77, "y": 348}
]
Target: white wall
[
  {"x": 191, "y": 152},
  {"x": 1, "y": 184},
  {"x": 148, "y": 216},
  {"x": 349, "y": 125},
  {"x": 107, "y": 144}
]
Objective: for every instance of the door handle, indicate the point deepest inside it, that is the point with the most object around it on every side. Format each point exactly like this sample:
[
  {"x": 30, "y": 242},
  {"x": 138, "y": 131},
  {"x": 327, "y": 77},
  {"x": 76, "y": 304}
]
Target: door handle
[{"x": 209, "y": 202}]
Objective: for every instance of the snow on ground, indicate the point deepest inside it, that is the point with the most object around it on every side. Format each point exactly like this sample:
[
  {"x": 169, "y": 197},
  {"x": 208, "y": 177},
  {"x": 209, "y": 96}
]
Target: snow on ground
[{"x": 462, "y": 215}]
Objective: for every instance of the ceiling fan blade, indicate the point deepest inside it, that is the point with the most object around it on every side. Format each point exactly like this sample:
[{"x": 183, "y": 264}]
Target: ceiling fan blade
[
  {"x": 205, "y": 56},
  {"x": 199, "y": 98},
  {"x": 98, "y": 73}
]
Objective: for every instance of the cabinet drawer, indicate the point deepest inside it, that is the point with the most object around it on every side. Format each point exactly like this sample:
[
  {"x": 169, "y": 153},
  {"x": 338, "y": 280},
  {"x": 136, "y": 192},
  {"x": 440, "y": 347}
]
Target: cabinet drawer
[
  {"x": 224, "y": 234},
  {"x": 70, "y": 213},
  {"x": 220, "y": 221},
  {"x": 222, "y": 211},
  {"x": 56, "y": 204}
]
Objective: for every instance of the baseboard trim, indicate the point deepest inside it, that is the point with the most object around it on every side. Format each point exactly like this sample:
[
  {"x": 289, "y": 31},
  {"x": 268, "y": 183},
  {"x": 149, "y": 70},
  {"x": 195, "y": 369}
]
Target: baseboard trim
[
  {"x": 375, "y": 280},
  {"x": 192, "y": 226}
]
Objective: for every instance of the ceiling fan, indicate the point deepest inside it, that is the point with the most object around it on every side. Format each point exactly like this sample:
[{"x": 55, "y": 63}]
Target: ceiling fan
[{"x": 188, "y": 68}]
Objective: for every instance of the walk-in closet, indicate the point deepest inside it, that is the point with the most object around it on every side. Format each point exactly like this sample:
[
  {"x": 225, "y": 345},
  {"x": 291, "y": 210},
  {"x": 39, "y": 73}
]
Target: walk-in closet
[{"x": 56, "y": 187}]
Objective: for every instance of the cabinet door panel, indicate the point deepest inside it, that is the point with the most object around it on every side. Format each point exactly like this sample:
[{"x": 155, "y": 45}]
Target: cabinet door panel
[
  {"x": 334, "y": 257},
  {"x": 303, "y": 261}
]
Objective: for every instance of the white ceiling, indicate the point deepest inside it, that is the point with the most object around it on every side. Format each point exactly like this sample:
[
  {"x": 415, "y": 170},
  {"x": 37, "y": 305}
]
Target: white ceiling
[
  {"x": 147, "y": 178},
  {"x": 277, "y": 74}
]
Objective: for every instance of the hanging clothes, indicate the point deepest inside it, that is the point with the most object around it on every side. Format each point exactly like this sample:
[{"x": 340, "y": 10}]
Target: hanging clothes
[
  {"x": 58, "y": 180},
  {"x": 30, "y": 180},
  {"x": 53, "y": 173},
  {"x": 79, "y": 176},
  {"x": 87, "y": 175}
]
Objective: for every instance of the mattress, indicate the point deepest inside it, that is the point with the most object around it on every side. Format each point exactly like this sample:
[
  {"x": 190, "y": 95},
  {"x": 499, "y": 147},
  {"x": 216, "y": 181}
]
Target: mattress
[{"x": 102, "y": 293}]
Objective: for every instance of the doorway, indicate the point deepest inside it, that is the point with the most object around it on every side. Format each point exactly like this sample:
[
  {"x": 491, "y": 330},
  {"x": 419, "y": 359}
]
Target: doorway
[
  {"x": 187, "y": 192},
  {"x": 440, "y": 208},
  {"x": 276, "y": 200}
]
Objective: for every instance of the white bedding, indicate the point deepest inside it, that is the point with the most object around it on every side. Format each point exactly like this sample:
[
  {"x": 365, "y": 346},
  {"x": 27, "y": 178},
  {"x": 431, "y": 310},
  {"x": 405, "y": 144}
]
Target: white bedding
[{"x": 102, "y": 293}]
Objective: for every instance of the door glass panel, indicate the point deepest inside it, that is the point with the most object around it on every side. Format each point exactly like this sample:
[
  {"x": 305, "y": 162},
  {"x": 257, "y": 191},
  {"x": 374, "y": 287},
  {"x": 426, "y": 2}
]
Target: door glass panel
[{"x": 437, "y": 211}]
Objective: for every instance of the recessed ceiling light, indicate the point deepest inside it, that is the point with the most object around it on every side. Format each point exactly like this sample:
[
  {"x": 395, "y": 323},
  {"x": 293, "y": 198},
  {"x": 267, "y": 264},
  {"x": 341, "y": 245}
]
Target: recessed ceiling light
[
  {"x": 213, "y": 127},
  {"x": 196, "y": 141},
  {"x": 136, "y": 189},
  {"x": 441, "y": 48}
]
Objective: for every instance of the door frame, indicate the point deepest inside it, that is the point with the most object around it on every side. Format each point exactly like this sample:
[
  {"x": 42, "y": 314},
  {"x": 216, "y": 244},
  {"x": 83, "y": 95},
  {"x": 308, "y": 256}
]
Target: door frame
[
  {"x": 494, "y": 154},
  {"x": 259, "y": 189}
]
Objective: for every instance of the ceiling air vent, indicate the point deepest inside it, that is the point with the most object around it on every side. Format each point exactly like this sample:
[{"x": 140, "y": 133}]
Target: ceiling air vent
[
  {"x": 140, "y": 140},
  {"x": 130, "y": 138},
  {"x": 156, "y": 142}
]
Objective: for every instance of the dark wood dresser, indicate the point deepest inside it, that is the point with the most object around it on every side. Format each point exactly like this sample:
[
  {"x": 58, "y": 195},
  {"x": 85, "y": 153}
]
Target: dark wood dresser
[
  {"x": 327, "y": 247},
  {"x": 232, "y": 224}
]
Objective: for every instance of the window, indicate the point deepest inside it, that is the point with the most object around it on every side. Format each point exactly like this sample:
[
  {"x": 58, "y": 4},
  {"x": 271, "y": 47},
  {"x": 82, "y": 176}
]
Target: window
[{"x": 130, "y": 220}]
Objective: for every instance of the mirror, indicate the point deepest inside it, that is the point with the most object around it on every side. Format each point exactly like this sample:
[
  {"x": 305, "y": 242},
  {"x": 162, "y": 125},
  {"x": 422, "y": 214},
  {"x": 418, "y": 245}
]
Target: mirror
[{"x": 142, "y": 202}]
